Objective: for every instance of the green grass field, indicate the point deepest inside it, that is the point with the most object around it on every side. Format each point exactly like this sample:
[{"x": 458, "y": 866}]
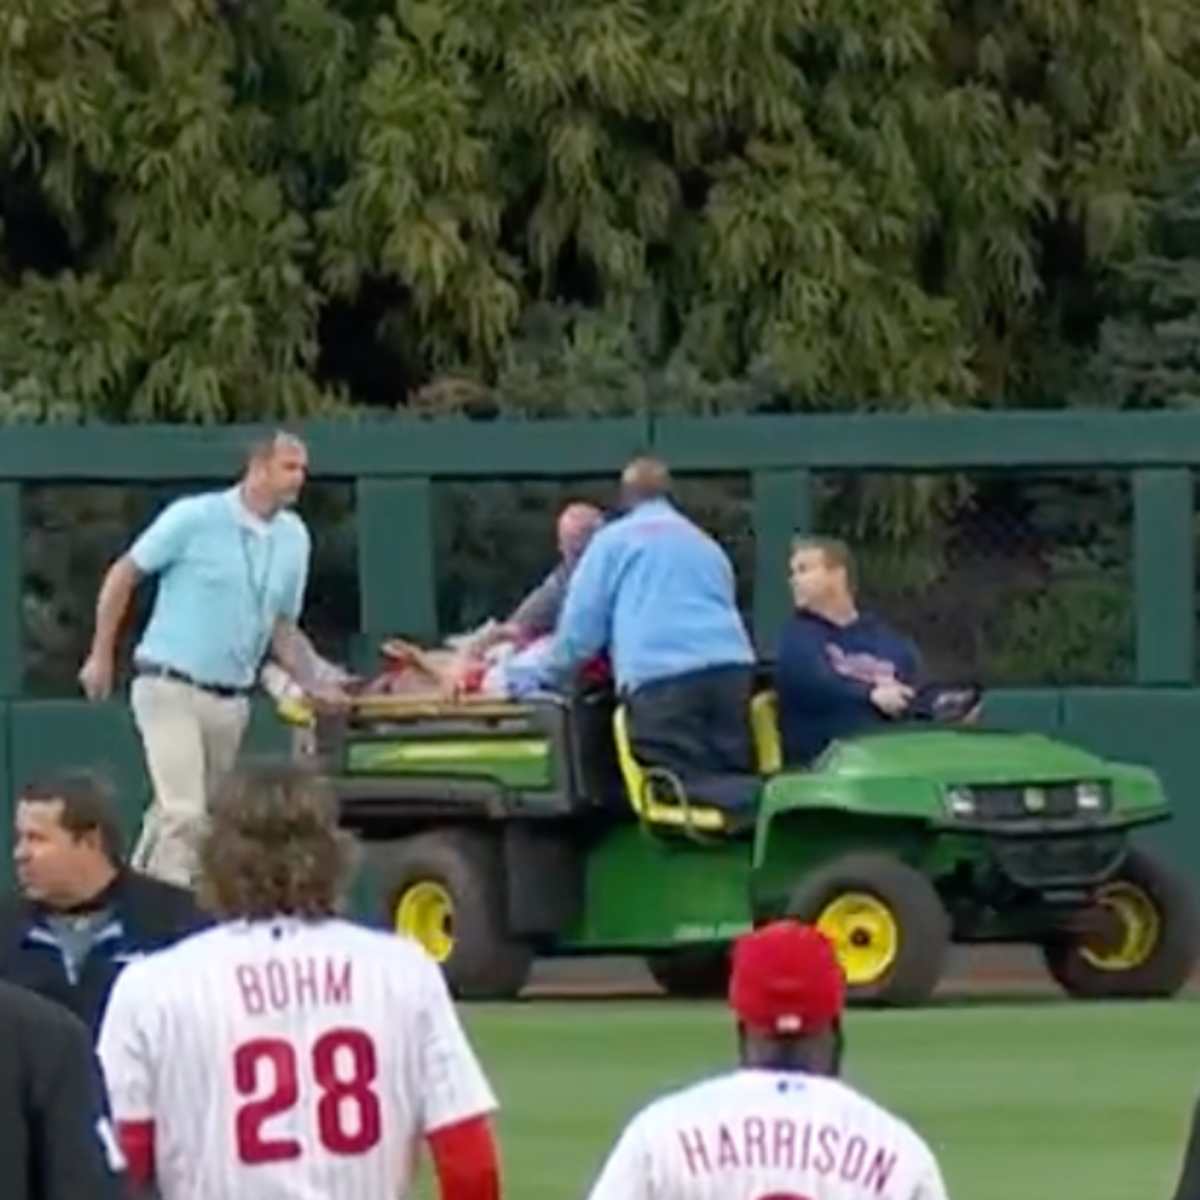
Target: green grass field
[{"x": 1022, "y": 1102}]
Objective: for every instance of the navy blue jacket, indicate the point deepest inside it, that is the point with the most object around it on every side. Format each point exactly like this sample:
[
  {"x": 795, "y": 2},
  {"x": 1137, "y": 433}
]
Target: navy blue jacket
[
  {"x": 55, "y": 1138},
  {"x": 147, "y": 915},
  {"x": 824, "y": 674}
]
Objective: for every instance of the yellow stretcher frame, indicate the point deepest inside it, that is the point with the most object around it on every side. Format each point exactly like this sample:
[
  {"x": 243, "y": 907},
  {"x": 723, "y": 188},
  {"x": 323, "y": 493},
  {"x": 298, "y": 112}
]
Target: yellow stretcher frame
[{"x": 405, "y": 708}]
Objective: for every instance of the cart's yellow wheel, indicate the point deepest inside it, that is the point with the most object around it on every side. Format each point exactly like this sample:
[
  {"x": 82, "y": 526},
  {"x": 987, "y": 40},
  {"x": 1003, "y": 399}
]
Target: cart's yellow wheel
[
  {"x": 1138, "y": 940},
  {"x": 1132, "y": 929},
  {"x": 865, "y": 933},
  {"x": 425, "y": 912}
]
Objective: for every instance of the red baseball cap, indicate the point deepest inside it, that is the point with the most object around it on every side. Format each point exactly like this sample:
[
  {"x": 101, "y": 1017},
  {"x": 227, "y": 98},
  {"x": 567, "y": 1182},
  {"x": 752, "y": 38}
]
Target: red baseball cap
[{"x": 786, "y": 979}]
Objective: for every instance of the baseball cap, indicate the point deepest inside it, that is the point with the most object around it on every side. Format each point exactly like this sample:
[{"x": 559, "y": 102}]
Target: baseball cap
[{"x": 786, "y": 979}]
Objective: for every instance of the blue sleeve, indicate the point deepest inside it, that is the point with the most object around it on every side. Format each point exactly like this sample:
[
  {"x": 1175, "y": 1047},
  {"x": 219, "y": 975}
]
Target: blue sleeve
[
  {"x": 526, "y": 679},
  {"x": 293, "y": 604},
  {"x": 585, "y": 623},
  {"x": 803, "y": 673},
  {"x": 163, "y": 542}
]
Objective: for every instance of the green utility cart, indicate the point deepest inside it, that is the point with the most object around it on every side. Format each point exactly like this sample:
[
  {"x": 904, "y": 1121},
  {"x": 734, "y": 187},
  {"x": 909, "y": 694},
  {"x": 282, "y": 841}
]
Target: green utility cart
[{"x": 496, "y": 834}]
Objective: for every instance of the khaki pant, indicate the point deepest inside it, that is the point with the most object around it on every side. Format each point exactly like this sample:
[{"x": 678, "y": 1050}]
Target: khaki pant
[{"x": 191, "y": 740}]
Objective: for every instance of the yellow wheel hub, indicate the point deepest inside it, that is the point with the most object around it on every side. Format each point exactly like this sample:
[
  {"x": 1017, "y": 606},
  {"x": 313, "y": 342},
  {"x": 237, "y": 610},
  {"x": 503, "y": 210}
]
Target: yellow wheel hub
[
  {"x": 425, "y": 912},
  {"x": 1133, "y": 929},
  {"x": 865, "y": 934}
]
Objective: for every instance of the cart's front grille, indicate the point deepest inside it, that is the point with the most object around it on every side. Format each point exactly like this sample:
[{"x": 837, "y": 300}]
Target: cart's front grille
[{"x": 1017, "y": 802}]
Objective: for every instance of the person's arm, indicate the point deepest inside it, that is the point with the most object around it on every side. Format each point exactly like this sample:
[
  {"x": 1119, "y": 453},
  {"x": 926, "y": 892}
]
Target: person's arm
[
  {"x": 290, "y": 648},
  {"x": 626, "y": 1173},
  {"x": 76, "y": 1150},
  {"x": 457, "y": 1102},
  {"x": 804, "y": 675},
  {"x": 1188, "y": 1187},
  {"x": 538, "y": 613},
  {"x": 126, "y": 1058},
  {"x": 585, "y": 623},
  {"x": 160, "y": 545}
]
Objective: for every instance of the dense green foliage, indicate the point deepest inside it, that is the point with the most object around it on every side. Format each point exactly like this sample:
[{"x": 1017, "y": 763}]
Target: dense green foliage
[
  {"x": 216, "y": 211},
  {"x": 1148, "y": 355}
]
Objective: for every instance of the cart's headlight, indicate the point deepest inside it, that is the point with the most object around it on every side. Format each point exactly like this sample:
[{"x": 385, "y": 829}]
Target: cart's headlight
[
  {"x": 1090, "y": 797},
  {"x": 960, "y": 801}
]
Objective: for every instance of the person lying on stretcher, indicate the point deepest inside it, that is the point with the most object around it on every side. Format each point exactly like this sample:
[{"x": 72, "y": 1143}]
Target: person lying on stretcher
[
  {"x": 474, "y": 667},
  {"x": 480, "y": 670},
  {"x": 503, "y": 671}
]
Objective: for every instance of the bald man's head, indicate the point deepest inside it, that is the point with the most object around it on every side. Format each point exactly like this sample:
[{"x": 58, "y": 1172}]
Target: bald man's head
[
  {"x": 645, "y": 479},
  {"x": 576, "y": 524}
]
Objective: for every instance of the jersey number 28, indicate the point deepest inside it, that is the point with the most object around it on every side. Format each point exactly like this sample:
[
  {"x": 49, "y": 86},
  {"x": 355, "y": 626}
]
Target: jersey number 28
[{"x": 337, "y": 1077}]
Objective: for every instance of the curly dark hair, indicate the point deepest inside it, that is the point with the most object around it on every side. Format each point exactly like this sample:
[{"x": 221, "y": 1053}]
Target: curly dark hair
[{"x": 273, "y": 847}]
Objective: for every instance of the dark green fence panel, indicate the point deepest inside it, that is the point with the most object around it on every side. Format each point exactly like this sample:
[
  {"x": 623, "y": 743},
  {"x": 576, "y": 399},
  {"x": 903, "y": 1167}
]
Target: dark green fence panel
[
  {"x": 396, "y": 568},
  {"x": 11, "y": 649},
  {"x": 1038, "y": 710},
  {"x": 1165, "y": 575},
  {"x": 395, "y": 465},
  {"x": 6, "y": 830},
  {"x": 47, "y": 736},
  {"x": 782, "y": 508},
  {"x": 929, "y": 442},
  {"x": 1155, "y": 727}
]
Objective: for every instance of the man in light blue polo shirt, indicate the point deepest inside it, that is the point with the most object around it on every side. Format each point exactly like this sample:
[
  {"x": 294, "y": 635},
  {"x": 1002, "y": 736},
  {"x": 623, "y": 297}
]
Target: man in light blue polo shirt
[
  {"x": 232, "y": 568},
  {"x": 659, "y": 594}
]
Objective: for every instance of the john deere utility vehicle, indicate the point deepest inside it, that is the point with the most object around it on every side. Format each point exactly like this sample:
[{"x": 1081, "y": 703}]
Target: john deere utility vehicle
[{"x": 497, "y": 834}]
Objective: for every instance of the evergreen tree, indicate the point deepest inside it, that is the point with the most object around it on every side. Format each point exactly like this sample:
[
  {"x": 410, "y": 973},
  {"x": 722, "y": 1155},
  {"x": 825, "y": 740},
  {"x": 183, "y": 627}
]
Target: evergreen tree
[{"x": 1149, "y": 349}]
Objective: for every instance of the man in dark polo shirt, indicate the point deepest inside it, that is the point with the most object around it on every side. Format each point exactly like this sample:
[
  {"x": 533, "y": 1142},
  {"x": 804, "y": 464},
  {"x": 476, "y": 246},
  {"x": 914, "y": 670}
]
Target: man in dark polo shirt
[{"x": 79, "y": 913}]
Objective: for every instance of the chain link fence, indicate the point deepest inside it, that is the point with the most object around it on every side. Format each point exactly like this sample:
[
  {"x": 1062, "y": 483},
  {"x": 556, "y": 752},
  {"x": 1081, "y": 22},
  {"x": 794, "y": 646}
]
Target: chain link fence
[
  {"x": 495, "y": 540},
  {"x": 1008, "y": 580}
]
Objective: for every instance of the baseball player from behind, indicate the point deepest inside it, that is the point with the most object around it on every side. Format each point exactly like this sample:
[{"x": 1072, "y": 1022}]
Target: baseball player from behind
[
  {"x": 782, "y": 1126},
  {"x": 285, "y": 1054}
]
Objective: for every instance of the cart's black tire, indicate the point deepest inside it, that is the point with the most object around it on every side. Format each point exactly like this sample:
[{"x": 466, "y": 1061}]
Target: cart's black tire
[
  {"x": 880, "y": 889},
  {"x": 701, "y": 973},
  {"x": 485, "y": 962},
  {"x": 1165, "y": 961}
]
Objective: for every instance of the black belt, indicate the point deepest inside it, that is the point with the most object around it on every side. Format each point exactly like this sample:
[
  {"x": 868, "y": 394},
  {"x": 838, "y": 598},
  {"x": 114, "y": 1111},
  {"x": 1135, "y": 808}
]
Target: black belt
[{"x": 152, "y": 670}]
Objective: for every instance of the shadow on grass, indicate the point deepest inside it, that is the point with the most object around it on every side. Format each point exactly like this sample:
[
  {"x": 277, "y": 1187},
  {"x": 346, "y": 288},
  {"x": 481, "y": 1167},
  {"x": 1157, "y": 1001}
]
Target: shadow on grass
[
  {"x": 1007, "y": 998},
  {"x": 1015, "y": 998}
]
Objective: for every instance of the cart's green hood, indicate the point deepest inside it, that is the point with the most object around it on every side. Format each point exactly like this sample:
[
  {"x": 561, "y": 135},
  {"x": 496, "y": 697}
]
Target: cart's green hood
[
  {"x": 911, "y": 772},
  {"x": 963, "y": 756}
]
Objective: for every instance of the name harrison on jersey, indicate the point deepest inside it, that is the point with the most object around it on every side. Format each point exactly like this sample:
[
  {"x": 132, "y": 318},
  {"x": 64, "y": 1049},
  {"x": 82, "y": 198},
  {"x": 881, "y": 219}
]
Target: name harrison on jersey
[{"x": 778, "y": 1143}]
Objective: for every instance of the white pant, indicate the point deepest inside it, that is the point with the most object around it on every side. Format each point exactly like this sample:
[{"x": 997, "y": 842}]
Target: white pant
[{"x": 191, "y": 740}]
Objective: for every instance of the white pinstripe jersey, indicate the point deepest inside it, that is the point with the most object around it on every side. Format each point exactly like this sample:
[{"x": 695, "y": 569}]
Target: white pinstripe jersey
[
  {"x": 288, "y": 1061},
  {"x": 766, "y": 1135}
]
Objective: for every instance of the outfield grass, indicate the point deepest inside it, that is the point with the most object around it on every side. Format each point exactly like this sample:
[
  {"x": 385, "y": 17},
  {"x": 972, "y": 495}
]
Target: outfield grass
[{"x": 1030, "y": 1102}]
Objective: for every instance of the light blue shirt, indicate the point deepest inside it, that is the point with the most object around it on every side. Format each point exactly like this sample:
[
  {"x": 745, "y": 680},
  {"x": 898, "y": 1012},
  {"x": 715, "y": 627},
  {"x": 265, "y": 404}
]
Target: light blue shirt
[
  {"x": 657, "y": 592},
  {"x": 225, "y": 577}
]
